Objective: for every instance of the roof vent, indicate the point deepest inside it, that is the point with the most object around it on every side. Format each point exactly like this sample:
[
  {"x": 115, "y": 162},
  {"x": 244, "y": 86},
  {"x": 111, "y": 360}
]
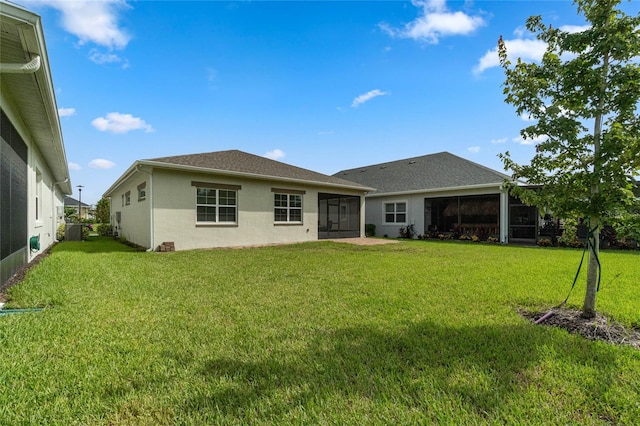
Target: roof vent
[
  {"x": 383, "y": 167},
  {"x": 363, "y": 170},
  {"x": 412, "y": 162}
]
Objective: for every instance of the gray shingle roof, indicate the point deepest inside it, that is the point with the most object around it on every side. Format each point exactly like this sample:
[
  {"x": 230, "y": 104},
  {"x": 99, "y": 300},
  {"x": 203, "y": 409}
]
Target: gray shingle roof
[
  {"x": 428, "y": 172},
  {"x": 72, "y": 202},
  {"x": 245, "y": 163}
]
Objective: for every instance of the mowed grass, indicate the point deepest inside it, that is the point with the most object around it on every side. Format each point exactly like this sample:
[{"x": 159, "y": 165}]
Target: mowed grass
[{"x": 330, "y": 333}]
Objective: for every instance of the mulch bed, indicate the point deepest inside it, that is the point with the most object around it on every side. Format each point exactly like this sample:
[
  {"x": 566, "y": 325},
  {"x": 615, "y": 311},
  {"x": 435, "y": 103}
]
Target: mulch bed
[{"x": 598, "y": 328}]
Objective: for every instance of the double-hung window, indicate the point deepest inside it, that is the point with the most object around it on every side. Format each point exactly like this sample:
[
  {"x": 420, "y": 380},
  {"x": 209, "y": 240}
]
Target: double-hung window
[
  {"x": 216, "y": 203},
  {"x": 395, "y": 212},
  {"x": 287, "y": 206}
]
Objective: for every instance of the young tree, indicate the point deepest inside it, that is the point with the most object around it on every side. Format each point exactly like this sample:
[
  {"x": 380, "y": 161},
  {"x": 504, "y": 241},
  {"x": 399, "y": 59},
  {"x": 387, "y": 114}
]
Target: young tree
[
  {"x": 103, "y": 211},
  {"x": 583, "y": 99}
]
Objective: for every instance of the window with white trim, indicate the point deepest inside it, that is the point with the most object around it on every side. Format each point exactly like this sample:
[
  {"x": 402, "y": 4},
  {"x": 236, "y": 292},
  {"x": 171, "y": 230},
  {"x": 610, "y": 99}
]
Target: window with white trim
[
  {"x": 142, "y": 191},
  {"x": 214, "y": 205},
  {"x": 127, "y": 198},
  {"x": 395, "y": 212},
  {"x": 287, "y": 208},
  {"x": 38, "y": 195}
]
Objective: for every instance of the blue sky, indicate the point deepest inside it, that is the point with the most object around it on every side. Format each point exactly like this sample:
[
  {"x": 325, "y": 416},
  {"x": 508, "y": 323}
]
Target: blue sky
[{"x": 324, "y": 85}]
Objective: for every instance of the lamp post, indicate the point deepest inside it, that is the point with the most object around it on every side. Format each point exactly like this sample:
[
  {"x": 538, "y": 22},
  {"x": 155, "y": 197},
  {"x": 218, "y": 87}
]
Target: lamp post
[{"x": 80, "y": 202}]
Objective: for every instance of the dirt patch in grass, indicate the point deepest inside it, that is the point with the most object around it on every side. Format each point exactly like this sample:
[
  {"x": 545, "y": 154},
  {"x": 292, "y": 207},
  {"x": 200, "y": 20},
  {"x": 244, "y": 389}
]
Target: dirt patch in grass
[{"x": 598, "y": 328}]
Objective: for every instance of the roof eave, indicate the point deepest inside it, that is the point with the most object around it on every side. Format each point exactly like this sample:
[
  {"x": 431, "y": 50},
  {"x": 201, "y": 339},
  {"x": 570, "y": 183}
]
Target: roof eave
[
  {"x": 497, "y": 185},
  {"x": 34, "y": 43},
  {"x": 195, "y": 169}
]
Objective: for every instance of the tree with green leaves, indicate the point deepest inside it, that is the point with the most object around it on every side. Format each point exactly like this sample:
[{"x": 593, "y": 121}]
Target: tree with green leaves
[
  {"x": 103, "y": 211},
  {"x": 583, "y": 99}
]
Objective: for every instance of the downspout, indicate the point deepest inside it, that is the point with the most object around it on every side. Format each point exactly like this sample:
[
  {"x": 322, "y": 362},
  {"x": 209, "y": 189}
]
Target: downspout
[
  {"x": 53, "y": 197},
  {"x": 150, "y": 198},
  {"x": 28, "y": 68},
  {"x": 504, "y": 215}
]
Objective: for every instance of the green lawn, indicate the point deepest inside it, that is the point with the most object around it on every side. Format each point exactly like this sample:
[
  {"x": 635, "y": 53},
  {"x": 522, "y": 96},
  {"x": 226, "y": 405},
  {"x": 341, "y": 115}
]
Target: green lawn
[{"x": 410, "y": 333}]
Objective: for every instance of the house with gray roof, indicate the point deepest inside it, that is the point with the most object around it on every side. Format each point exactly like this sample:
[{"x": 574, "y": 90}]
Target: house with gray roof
[
  {"x": 231, "y": 198},
  {"x": 34, "y": 176},
  {"x": 443, "y": 193},
  {"x": 81, "y": 209}
]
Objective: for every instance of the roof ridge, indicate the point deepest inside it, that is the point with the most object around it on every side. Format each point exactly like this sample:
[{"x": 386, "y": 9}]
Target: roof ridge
[{"x": 386, "y": 163}]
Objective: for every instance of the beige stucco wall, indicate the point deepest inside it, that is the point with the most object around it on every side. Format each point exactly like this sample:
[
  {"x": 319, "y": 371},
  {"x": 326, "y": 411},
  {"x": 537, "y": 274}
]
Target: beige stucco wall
[
  {"x": 51, "y": 211},
  {"x": 135, "y": 218},
  {"x": 415, "y": 209},
  {"x": 174, "y": 217}
]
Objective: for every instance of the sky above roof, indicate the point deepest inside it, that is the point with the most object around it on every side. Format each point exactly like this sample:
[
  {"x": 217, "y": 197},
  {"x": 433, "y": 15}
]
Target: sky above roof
[{"x": 323, "y": 85}]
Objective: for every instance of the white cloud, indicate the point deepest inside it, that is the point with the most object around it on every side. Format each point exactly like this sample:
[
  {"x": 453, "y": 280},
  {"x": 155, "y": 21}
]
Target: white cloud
[
  {"x": 435, "y": 21},
  {"x": 212, "y": 74},
  {"x": 276, "y": 154},
  {"x": 473, "y": 149},
  {"x": 522, "y": 141},
  {"x": 115, "y": 122},
  {"x": 66, "y": 112},
  {"x": 501, "y": 140},
  {"x": 74, "y": 166},
  {"x": 101, "y": 163},
  {"x": 92, "y": 21},
  {"x": 526, "y": 49},
  {"x": 107, "y": 58},
  {"x": 574, "y": 28},
  {"x": 367, "y": 97}
]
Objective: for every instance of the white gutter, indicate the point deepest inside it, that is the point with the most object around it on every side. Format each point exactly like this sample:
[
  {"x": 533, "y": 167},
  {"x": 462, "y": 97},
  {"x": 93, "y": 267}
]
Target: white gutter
[
  {"x": 28, "y": 68},
  {"x": 497, "y": 185},
  {"x": 205, "y": 170}
]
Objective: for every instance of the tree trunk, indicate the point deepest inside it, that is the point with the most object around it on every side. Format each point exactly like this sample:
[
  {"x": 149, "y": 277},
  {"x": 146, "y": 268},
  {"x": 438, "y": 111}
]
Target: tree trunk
[{"x": 589, "y": 307}]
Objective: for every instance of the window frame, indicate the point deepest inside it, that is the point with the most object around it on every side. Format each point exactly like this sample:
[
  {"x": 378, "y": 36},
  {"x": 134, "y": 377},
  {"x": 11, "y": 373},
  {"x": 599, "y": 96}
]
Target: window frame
[
  {"x": 142, "y": 191},
  {"x": 395, "y": 212},
  {"x": 39, "y": 210},
  {"x": 216, "y": 205},
  {"x": 127, "y": 198},
  {"x": 288, "y": 195}
]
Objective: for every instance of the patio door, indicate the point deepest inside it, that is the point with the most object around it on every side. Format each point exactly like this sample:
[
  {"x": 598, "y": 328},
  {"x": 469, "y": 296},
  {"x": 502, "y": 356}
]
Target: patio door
[{"x": 338, "y": 216}]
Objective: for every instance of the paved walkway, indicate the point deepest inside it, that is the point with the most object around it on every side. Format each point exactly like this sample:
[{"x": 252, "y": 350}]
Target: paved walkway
[{"x": 365, "y": 241}]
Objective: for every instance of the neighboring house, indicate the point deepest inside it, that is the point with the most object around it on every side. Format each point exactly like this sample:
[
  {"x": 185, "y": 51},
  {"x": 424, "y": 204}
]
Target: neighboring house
[
  {"x": 76, "y": 205},
  {"x": 231, "y": 198},
  {"x": 443, "y": 193},
  {"x": 33, "y": 167}
]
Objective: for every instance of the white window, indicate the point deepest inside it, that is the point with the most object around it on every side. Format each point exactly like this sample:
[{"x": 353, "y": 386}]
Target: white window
[
  {"x": 395, "y": 212},
  {"x": 287, "y": 208},
  {"x": 127, "y": 198},
  {"x": 215, "y": 205},
  {"x": 38, "y": 195},
  {"x": 142, "y": 191}
]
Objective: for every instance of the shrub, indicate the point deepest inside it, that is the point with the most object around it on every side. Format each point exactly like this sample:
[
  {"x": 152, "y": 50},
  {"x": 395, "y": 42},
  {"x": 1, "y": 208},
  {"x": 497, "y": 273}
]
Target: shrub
[
  {"x": 544, "y": 242},
  {"x": 370, "y": 230},
  {"x": 569, "y": 237},
  {"x": 60, "y": 231},
  {"x": 105, "y": 230}
]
